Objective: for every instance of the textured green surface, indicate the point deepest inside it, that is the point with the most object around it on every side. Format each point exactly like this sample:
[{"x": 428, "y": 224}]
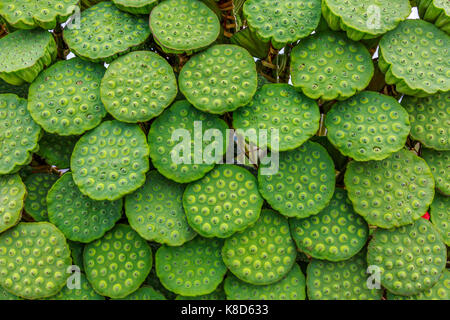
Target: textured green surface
[
  {"x": 145, "y": 293},
  {"x": 278, "y": 107},
  {"x": 65, "y": 98},
  {"x": 138, "y": 86},
  {"x": 184, "y": 25},
  {"x": 291, "y": 287},
  {"x": 5, "y": 295},
  {"x": 12, "y": 194},
  {"x": 337, "y": 233},
  {"x": 392, "y": 192},
  {"x": 163, "y": 141},
  {"x": 262, "y": 254},
  {"x": 219, "y": 79},
  {"x": 136, "y": 6},
  {"x": 37, "y": 185},
  {"x": 193, "y": 269},
  {"x": 329, "y": 66},
  {"x": 218, "y": 294},
  {"x": 415, "y": 57},
  {"x": 223, "y": 202},
  {"x": 38, "y": 269},
  {"x": 282, "y": 21},
  {"x": 156, "y": 211},
  {"x": 440, "y": 216},
  {"x": 57, "y": 150},
  {"x": 430, "y": 120},
  {"x": 19, "y": 134},
  {"x": 304, "y": 183},
  {"x": 368, "y": 126},
  {"x": 411, "y": 258},
  {"x": 365, "y": 19},
  {"x": 155, "y": 283},
  {"x": 439, "y": 163},
  {"x": 110, "y": 161},
  {"x": 106, "y": 32},
  {"x": 117, "y": 264},
  {"x": 76, "y": 215},
  {"x": 85, "y": 292},
  {"x": 436, "y": 12}
]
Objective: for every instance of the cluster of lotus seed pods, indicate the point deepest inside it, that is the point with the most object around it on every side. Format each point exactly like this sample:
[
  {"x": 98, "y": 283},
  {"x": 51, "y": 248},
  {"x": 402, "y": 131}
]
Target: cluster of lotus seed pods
[{"x": 224, "y": 149}]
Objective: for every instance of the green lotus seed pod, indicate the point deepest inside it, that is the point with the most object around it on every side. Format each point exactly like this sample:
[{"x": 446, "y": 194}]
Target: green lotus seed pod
[
  {"x": 440, "y": 216},
  {"x": 85, "y": 292},
  {"x": 145, "y": 293},
  {"x": 153, "y": 281},
  {"x": 392, "y": 192},
  {"x": 5, "y": 295},
  {"x": 117, "y": 264},
  {"x": 76, "y": 249},
  {"x": 193, "y": 269},
  {"x": 219, "y": 79},
  {"x": 340, "y": 161},
  {"x": 110, "y": 161},
  {"x": 218, "y": 294},
  {"x": 329, "y": 66},
  {"x": 414, "y": 57},
  {"x": 105, "y": 32},
  {"x": 436, "y": 12},
  {"x": 439, "y": 163},
  {"x": 262, "y": 254},
  {"x": 304, "y": 183},
  {"x": 38, "y": 185},
  {"x": 39, "y": 269},
  {"x": 57, "y": 150},
  {"x": 410, "y": 258},
  {"x": 12, "y": 195},
  {"x": 136, "y": 7},
  {"x": 138, "y": 86},
  {"x": 223, "y": 202},
  {"x": 368, "y": 126}
]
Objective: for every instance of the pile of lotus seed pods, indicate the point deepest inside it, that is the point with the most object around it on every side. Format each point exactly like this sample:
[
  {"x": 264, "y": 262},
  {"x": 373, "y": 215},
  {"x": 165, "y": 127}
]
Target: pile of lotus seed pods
[{"x": 128, "y": 135}]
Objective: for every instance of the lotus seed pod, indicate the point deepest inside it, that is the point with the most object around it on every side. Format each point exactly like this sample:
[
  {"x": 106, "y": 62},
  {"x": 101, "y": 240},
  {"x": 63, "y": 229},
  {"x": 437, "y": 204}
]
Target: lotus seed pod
[
  {"x": 65, "y": 98},
  {"x": 329, "y": 66},
  {"x": 12, "y": 195},
  {"x": 410, "y": 258},
  {"x": 304, "y": 183},
  {"x": 440, "y": 216},
  {"x": 368, "y": 126},
  {"x": 278, "y": 107},
  {"x": 392, "y": 192},
  {"x": 39, "y": 269},
  {"x": 414, "y": 57},
  {"x": 110, "y": 161},
  {"x": 218, "y": 294},
  {"x": 184, "y": 25},
  {"x": 117, "y": 264},
  {"x": 5, "y": 295},
  {"x": 138, "y": 86},
  {"x": 24, "y": 54},
  {"x": 436, "y": 12},
  {"x": 262, "y": 254},
  {"x": 365, "y": 19},
  {"x": 336, "y": 233},
  {"x": 85, "y": 292},
  {"x": 105, "y": 32},
  {"x": 340, "y": 161},
  {"x": 156, "y": 211},
  {"x": 430, "y": 120},
  {"x": 439, "y": 163},
  {"x": 153, "y": 281},
  {"x": 291, "y": 287},
  {"x": 76, "y": 215},
  {"x": 282, "y": 21},
  {"x": 136, "y": 7},
  {"x": 219, "y": 79},
  {"x": 38, "y": 185},
  {"x": 145, "y": 293},
  {"x": 223, "y": 202},
  {"x": 57, "y": 150},
  {"x": 183, "y": 122},
  {"x": 193, "y": 269}
]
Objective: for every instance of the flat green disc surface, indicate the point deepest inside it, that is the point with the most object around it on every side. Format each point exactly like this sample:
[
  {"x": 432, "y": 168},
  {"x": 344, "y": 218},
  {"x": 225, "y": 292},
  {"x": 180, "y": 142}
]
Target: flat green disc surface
[
  {"x": 193, "y": 269},
  {"x": 329, "y": 66},
  {"x": 65, "y": 98},
  {"x": 337, "y": 233},
  {"x": 278, "y": 107},
  {"x": 184, "y": 24},
  {"x": 12, "y": 194},
  {"x": 138, "y": 86},
  {"x": 440, "y": 216},
  {"x": 304, "y": 183},
  {"x": 136, "y": 6},
  {"x": 219, "y": 79},
  {"x": 110, "y": 161},
  {"x": 172, "y": 136},
  {"x": 79, "y": 217},
  {"x": 430, "y": 119},
  {"x": 34, "y": 258},
  {"x": 57, "y": 150},
  {"x": 117, "y": 264},
  {"x": 156, "y": 211},
  {"x": 84, "y": 292},
  {"x": 105, "y": 32},
  {"x": 411, "y": 258},
  {"x": 225, "y": 201},
  {"x": 343, "y": 280},
  {"x": 19, "y": 134},
  {"x": 145, "y": 293},
  {"x": 439, "y": 163},
  {"x": 392, "y": 192},
  {"x": 38, "y": 185},
  {"x": 291, "y": 287},
  {"x": 282, "y": 21},
  {"x": 368, "y": 126},
  {"x": 263, "y": 253}
]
